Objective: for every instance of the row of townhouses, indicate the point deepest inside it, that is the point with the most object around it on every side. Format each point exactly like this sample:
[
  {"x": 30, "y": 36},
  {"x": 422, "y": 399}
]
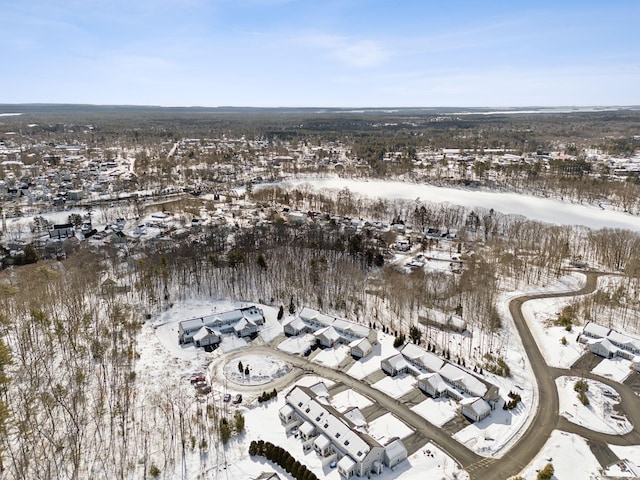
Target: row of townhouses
[
  {"x": 339, "y": 436},
  {"x": 330, "y": 331},
  {"x": 437, "y": 377},
  {"x": 204, "y": 331},
  {"x": 607, "y": 342}
]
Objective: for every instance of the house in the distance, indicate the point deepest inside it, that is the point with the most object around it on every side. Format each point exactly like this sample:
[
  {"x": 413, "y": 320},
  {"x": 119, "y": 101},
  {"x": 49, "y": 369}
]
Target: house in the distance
[{"x": 64, "y": 230}]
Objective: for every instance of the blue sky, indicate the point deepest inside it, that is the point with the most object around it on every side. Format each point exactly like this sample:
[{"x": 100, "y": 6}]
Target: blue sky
[{"x": 332, "y": 53}]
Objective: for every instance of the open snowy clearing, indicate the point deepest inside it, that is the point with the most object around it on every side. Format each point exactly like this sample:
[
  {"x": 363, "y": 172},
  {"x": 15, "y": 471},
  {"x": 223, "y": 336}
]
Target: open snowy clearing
[
  {"x": 570, "y": 456},
  {"x": 540, "y": 315},
  {"x": 596, "y": 416},
  {"x": 535, "y": 208},
  {"x": 297, "y": 344}
]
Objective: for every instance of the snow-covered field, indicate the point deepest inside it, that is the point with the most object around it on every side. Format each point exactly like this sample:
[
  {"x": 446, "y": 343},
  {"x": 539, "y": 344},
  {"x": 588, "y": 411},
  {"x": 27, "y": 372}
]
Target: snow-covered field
[
  {"x": 535, "y": 208},
  {"x": 596, "y": 416},
  {"x": 570, "y": 456},
  {"x": 540, "y": 315}
]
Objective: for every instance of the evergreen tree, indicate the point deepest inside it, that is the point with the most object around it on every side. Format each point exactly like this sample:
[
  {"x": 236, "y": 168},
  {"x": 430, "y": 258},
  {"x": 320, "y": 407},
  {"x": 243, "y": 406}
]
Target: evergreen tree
[{"x": 292, "y": 306}]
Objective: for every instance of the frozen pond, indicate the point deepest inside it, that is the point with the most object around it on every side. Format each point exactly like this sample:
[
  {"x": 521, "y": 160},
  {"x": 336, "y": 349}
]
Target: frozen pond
[{"x": 535, "y": 208}]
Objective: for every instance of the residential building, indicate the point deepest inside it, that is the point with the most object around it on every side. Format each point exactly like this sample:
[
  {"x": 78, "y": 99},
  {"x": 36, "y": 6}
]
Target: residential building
[
  {"x": 330, "y": 432},
  {"x": 242, "y": 322},
  {"x": 330, "y": 331}
]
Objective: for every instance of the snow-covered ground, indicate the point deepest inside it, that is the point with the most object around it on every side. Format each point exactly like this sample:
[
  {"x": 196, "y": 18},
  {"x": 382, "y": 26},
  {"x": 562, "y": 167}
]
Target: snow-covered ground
[
  {"x": 596, "y": 416},
  {"x": 262, "y": 369},
  {"x": 263, "y": 423},
  {"x": 535, "y": 208},
  {"x": 371, "y": 363},
  {"x": 437, "y": 411},
  {"x": 540, "y": 315},
  {"x": 570, "y": 456},
  {"x": 628, "y": 452},
  {"x": 297, "y": 344},
  {"x": 397, "y": 386},
  {"x": 616, "y": 368},
  {"x": 349, "y": 398},
  {"x": 388, "y": 426},
  {"x": 332, "y": 357},
  {"x": 166, "y": 366}
]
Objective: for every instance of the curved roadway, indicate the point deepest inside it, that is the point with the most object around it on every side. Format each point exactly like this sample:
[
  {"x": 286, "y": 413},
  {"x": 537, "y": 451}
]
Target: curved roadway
[{"x": 546, "y": 417}]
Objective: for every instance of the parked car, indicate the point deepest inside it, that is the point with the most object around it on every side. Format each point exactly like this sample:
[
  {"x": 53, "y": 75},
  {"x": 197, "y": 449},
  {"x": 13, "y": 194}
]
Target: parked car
[
  {"x": 237, "y": 399},
  {"x": 227, "y": 397}
]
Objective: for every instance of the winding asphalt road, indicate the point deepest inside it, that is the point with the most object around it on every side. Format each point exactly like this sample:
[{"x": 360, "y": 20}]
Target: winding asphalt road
[{"x": 546, "y": 417}]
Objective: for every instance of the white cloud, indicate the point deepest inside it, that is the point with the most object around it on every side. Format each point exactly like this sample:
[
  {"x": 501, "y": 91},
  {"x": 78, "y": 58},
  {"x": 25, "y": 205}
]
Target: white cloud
[{"x": 350, "y": 52}]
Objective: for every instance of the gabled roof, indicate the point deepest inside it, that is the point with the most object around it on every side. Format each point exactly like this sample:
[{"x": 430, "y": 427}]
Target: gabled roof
[
  {"x": 477, "y": 405},
  {"x": 423, "y": 359},
  {"x": 205, "y": 332},
  {"x": 330, "y": 423},
  {"x": 397, "y": 362},
  {"x": 595, "y": 330},
  {"x": 434, "y": 380},
  {"x": 329, "y": 333},
  {"x": 295, "y": 323},
  {"x": 346, "y": 463},
  {"x": 362, "y": 343},
  {"x": 453, "y": 374},
  {"x": 395, "y": 448}
]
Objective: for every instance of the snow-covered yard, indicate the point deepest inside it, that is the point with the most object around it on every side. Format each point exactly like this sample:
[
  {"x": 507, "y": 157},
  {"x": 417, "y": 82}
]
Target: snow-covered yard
[
  {"x": 297, "y": 344},
  {"x": 597, "y": 415},
  {"x": 332, "y": 357},
  {"x": 388, "y": 426},
  {"x": 540, "y": 315},
  {"x": 371, "y": 363},
  {"x": 570, "y": 456},
  {"x": 397, "y": 386},
  {"x": 437, "y": 411}
]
